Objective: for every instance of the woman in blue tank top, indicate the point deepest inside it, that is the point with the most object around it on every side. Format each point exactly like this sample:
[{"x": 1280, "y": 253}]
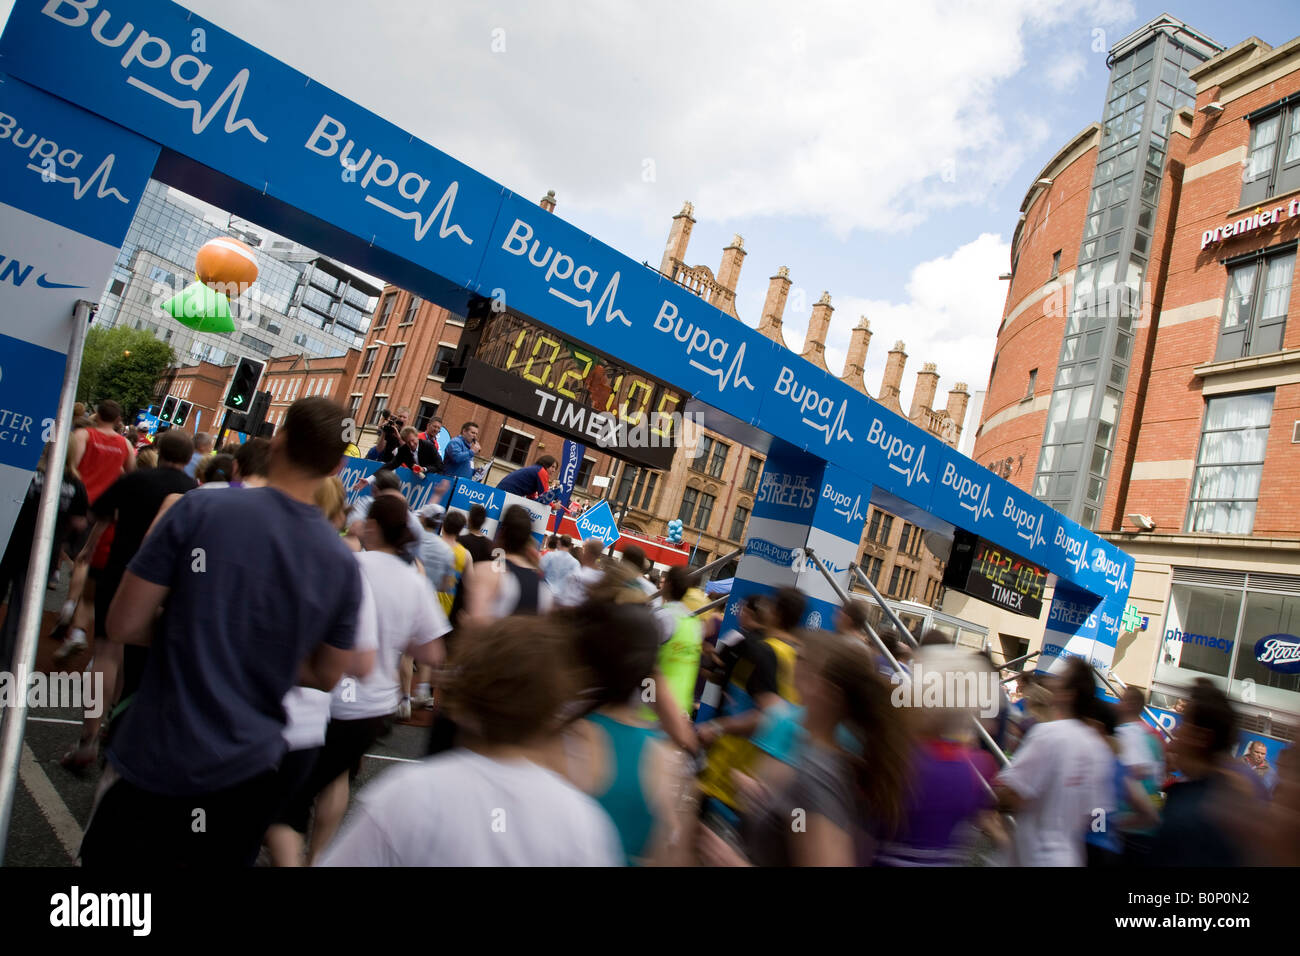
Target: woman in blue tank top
[{"x": 626, "y": 764}]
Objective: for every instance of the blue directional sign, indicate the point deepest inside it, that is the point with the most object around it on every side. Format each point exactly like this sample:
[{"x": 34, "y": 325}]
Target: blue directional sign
[{"x": 598, "y": 522}]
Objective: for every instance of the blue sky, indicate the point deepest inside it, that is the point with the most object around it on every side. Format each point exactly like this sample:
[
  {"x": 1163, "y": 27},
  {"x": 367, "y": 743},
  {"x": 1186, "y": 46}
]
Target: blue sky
[{"x": 880, "y": 154}]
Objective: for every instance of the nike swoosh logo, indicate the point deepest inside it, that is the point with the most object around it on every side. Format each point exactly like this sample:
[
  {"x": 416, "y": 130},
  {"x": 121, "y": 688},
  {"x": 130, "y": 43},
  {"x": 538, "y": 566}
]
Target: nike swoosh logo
[{"x": 45, "y": 283}]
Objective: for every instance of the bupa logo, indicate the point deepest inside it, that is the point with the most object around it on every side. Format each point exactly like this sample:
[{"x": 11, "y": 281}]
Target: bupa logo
[
  {"x": 971, "y": 495},
  {"x": 479, "y": 496},
  {"x": 850, "y": 509},
  {"x": 1110, "y": 623},
  {"x": 1075, "y": 553},
  {"x": 829, "y": 420},
  {"x": 11, "y": 270},
  {"x": 1279, "y": 652},
  {"x": 701, "y": 345},
  {"x": 59, "y": 165},
  {"x": 154, "y": 53},
  {"x": 901, "y": 456},
  {"x": 381, "y": 173},
  {"x": 1029, "y": 527},
  {"x": 562, "y": 267}
]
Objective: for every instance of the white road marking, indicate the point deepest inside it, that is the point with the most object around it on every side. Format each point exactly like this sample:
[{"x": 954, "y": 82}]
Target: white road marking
[
  {"x": 398, "y": 759},
  {"x": 65, "y": 825},
  {"x": 52, "y": 720}
]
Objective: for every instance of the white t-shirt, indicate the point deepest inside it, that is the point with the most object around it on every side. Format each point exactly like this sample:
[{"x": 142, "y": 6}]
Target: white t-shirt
[
  {"x": 1139, "y": 753},
  {"x": 306, "y": 709},
  {"x": 407, "y": 613},
  {"x": 463, "y": 809},
  {"x": 578, "y": 583},
  {"x": 556, "y": 568},
  {"x": 1062, "y": 771}
]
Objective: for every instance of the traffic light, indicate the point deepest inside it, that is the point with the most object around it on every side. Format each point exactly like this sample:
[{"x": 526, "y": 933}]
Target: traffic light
[
  {"x": 182, "y": 414},
  {"x": 168, "y": 409},
  {"x": 244, "y": 384}
]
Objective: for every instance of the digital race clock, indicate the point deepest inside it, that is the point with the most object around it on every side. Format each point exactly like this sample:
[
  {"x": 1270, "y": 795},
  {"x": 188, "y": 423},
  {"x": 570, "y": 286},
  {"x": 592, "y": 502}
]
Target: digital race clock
[
  {"x": 525, "y": 370},
  {"x": 985, "y": 571}
]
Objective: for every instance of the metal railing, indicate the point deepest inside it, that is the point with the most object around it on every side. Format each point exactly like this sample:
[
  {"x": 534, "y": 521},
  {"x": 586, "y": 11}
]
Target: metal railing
[
  {"x": 900, "y": 672},
  {"x": 38, "y": 571},
  {"x": 699, "y": 572}
]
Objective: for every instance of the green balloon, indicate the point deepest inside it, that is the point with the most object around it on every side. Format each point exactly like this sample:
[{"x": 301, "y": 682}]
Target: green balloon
[{"x": 201, "y": 308}]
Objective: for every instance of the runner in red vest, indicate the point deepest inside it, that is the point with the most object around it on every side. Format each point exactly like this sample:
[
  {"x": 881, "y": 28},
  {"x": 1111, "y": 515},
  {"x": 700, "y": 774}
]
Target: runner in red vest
[{"x": 100, "y": 455}]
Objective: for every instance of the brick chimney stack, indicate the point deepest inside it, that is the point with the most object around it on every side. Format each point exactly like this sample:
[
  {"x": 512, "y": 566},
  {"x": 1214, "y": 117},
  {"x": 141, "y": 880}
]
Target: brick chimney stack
[
  {"x": 958, "y": 400},
  {"x": 548, "y": 201},
  {"x": 678, "y": 237},
  {"x": 733, "y": 257},
  {"x": 778, "y": 287},
  {"x": 927, "y": 383},
  {"x": 814, "y": 342},
  {"x": 856, "y": 361},
  {"x": 892, "y": 381}
]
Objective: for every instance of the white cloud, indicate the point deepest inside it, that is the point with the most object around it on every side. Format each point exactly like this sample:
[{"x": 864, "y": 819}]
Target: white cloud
[
  {"x": 950, "y": 317},
  {"x": 858, "y": 116},
  {"x": 1066, "y": 70}
]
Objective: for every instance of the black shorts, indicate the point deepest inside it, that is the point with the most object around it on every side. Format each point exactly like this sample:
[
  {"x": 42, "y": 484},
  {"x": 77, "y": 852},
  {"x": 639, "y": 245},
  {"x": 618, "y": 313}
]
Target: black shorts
[
  {"x": 295, "y": 775},
  {"x": 107, "y": 580},
  {"x": 346, "y": 742},
  {"x": 148, "y": 829}
]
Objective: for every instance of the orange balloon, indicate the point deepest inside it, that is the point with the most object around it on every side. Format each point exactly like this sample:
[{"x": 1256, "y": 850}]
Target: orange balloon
[{"x": 226, "y": 264}]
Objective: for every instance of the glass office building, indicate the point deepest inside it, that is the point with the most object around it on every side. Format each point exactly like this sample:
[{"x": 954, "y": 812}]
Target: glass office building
[
  {"x": 301, "y": 303},
  {"x": 1149, "y": 82}
]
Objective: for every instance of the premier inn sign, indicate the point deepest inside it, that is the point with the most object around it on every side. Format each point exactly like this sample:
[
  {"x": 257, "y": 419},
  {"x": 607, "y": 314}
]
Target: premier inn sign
[{"x": 1256, "y": 220}]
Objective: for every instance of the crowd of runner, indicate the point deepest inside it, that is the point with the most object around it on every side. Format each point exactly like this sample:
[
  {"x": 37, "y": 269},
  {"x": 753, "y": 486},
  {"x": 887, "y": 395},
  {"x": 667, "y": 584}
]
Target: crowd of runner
[{"x": 257, "y": 636}]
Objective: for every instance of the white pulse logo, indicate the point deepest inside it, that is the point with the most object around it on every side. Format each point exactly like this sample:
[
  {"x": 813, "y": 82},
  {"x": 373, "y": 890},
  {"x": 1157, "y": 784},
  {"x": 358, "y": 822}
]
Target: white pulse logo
[
  {"x": 732, "y": 374},
  {"x": 234, "y": 92},
  {"x": 605, "y": 302},
  {"x": 98, "y": 179},
  {"x": 979, "y": 509},
  {"x": 445, "y": 206},
  {"x": 836, "y": 429}
]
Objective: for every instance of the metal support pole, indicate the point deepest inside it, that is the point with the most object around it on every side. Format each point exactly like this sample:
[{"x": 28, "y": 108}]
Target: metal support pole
[
  {"x": 716, "y": 563},
  {"x": 844, "y": 599},
  {"x": 716, "y": 602},
  {"x": 903, "y": 632},
  {"x": 38, "y": 570},
  {"x": 989, "y": 742},
  {"x": 1155, "y": 720},
  {"x": 1017, "y": 660}
]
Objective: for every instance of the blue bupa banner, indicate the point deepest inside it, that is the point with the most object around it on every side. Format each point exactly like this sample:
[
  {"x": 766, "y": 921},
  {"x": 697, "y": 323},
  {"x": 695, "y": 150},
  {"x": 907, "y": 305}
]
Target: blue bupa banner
[
  {"x": 399, "y": 208},
  {"x": 468, "y": 493},
  {"x": 69, "y": 184}
]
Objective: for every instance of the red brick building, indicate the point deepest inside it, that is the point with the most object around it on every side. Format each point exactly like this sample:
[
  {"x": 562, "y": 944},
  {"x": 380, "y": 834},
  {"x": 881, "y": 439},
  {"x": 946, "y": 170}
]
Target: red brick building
[
  {"x": 1147, "y": 375},
  {"x": 205, "y": 386}
]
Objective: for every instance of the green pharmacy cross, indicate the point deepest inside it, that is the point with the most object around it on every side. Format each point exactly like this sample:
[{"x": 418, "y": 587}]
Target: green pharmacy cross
[{"x": 1131, "y": 620}]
